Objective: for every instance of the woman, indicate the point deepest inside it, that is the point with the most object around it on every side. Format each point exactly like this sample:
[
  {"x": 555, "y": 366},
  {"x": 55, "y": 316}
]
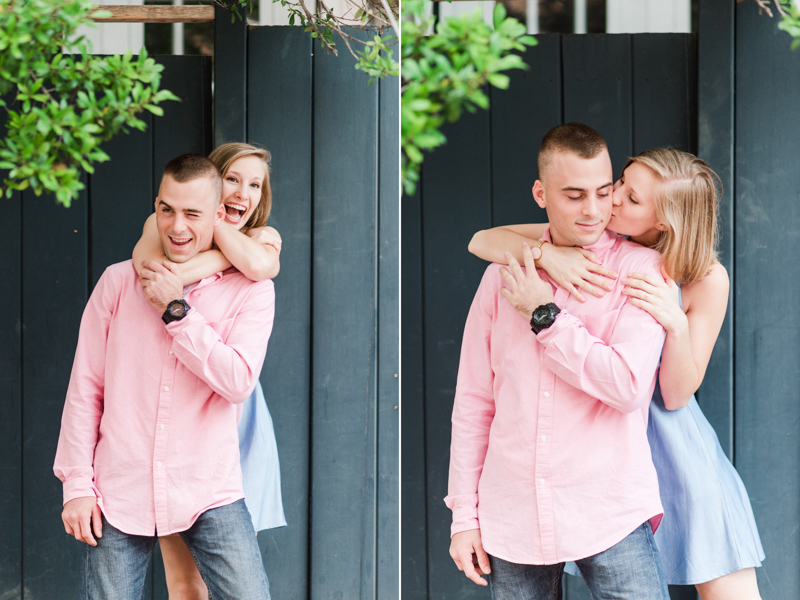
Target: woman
[
  {"x": 665, "y": 199},
  {"x": 244, "y": 242}
]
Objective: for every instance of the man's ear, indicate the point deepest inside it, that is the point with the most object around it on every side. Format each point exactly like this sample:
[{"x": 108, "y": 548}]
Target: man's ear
[
  {"x": 219, "y": 217},
  {"x": 538, "y": 194}
]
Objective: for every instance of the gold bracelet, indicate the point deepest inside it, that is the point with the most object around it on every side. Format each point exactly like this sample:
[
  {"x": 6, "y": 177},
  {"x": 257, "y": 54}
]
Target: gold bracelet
[{"x": 539, "y": 248}]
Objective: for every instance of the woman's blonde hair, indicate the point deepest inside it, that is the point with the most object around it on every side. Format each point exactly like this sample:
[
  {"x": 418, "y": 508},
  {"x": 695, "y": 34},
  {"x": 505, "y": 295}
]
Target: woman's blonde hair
[
  {"x": 686, "y": 203},
  {"x": 225, "y": 155}
]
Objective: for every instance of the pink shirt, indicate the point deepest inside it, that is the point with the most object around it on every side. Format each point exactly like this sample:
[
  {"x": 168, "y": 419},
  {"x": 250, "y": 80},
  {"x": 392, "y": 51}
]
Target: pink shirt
[
  {"x": 149, "y": 423},
  {"x": 549, "y": 454}
]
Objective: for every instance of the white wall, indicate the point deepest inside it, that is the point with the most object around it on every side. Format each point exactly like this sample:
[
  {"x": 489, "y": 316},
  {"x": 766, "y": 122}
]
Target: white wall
[
  {"x": 648, "y": 16},
  {"x": 115, "y": 38}
]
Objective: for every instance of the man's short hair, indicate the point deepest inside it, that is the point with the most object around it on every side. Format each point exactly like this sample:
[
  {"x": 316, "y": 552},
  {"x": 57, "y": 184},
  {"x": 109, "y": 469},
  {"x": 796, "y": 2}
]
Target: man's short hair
[
  {"x": 188, "y": 167},
  {"x": 572, "y": 138}
]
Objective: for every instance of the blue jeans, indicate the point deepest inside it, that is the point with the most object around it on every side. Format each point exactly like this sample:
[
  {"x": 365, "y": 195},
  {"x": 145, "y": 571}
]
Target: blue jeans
[
  {"x": 222, "y": 542},
  {"x": 629, "y": 570}
]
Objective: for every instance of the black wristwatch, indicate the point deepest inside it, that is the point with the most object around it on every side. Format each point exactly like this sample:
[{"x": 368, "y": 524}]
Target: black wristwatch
[
  {"x": 176, "y": 310},
  {"x": 543, "y": 317}
]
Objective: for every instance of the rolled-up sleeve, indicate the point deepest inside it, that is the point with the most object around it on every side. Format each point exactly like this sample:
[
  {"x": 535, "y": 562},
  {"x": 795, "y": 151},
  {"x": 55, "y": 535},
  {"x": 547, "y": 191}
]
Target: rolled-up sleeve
[
  {"x": 620, "y": 372},
  {"x": 230, "y": 367}
]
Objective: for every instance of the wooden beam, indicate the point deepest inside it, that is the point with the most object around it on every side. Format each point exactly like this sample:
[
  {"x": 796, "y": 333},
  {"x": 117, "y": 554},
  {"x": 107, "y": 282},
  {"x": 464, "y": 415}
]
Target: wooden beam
[{"x": 157, "y": 14}]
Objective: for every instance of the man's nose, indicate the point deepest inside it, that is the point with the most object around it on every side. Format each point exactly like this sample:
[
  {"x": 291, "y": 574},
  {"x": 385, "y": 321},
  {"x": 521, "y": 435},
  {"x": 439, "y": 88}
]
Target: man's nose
[
  {"x": 616, "y": 197},
  {"x": 591, "y": 208},
  {"x": 179, "y": 224}
]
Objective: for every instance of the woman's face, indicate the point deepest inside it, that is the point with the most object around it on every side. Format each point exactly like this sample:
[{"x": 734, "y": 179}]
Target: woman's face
[
  {"x": 634, "y": 212},
  {"x": 241, "y": 189}
]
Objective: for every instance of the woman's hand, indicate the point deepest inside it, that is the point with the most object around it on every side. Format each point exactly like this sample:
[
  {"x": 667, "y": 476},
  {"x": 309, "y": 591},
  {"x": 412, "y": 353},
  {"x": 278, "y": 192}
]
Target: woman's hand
[
  {"x": 659, "y": 297},
  {"x": 576, "y": 268},
  {"x": 266, "y": 236}
]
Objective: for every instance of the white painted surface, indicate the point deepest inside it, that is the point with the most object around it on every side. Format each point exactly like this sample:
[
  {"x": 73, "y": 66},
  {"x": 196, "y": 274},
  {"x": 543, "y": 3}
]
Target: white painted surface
[
  {"x": 447, "y": 9},
  {"x": 648, "y": 16},
  {"x": 115, "y": 38}
]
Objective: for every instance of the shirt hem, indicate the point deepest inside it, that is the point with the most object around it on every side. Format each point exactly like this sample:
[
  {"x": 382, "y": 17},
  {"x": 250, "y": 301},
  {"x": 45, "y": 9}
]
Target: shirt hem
[
  {"x": 172, "y": 531},
  {"x": 602, "y": 547}
]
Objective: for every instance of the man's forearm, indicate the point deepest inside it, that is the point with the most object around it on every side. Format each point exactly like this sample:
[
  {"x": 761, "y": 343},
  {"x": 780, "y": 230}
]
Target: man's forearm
[
  {"x": 620, "y": 373},
  {"x": 230, "y": 367}
]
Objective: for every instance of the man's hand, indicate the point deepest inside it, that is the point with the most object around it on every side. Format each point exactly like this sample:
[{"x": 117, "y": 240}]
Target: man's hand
[
  {"x": 81, "y": 516},
  {"x": 161, "y": 283},
  {"x": 466, "y": 550},
  {"x": 526, "y": 291}
]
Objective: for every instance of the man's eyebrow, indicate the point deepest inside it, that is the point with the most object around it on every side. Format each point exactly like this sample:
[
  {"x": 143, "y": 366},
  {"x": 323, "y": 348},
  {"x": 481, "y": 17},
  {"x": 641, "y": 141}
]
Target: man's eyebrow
[
  {"x": 195, "y": 211},
  {"x": 573, "y": 189},
  {"x": 606, "y": 185}
]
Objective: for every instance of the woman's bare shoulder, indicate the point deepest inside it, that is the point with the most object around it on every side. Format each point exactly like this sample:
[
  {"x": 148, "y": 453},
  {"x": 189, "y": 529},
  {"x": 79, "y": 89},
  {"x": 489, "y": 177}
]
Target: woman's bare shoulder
[{"x": 710, "y": 292}]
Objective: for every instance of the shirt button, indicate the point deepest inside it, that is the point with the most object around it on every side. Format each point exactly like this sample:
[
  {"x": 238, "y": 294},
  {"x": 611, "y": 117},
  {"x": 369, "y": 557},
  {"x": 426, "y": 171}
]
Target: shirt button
[
  {"x": 544, "y": 437},
  {"x": 158, "y": 464},
  {"x": 162, "y": 426},
  {"x": 541, "y": 481},
  {"x": 166, "y": 388},
  {"x": 171, "y": 352},
  {"x": 547, "y": 394}
]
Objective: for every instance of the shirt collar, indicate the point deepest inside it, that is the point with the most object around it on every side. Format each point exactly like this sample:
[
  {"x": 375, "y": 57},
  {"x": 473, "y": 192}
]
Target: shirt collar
[{"x": 604, "y": 243}]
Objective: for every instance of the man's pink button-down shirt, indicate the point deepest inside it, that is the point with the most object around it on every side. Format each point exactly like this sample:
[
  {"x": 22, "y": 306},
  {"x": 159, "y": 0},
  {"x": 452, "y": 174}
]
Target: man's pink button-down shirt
[
  {"x": 549, "y": 454},
  {"x": 149, "y": 423}
]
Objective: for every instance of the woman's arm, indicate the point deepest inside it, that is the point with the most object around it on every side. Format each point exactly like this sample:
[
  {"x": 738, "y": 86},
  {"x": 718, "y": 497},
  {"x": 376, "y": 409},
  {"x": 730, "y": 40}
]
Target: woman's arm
[
  {"x": 572, "y": 268},
  {"x": 691, "y": 335},
  {"x": 492, "y": 244},
  {"x": 204, "y": 264},
  {"x": 252, "y": 253}
]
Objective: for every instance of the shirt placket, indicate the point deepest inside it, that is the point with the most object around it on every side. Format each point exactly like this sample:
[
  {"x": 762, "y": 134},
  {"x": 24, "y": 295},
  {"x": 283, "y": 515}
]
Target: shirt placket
[
  {"x": 163, "y": 416},
  {"x": 544, "y": 442},
  {"x": 542, "y": 471}
]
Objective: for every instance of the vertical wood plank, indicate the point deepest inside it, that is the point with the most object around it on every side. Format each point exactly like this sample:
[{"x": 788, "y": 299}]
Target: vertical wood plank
[
  {"x": 344, "y": 316},
  {"x": 388, "y": 334},
  {"x": 54, "y": 286},
  {"x": 716, "y": 146},
  {"x": 520, "y": 116},
  {"x": 120, "y": 198},
  {"x": 11, "y": 525},
  {"x": 414, "y": 556},
  {"x": 767, "y": 356},
  {"x": 279, "y": 97},
  {"x": 597, "y": 89},
  {"x": 230, "y": 77},
  {"x": 664, "y": 91},
  {"x": 186, "y": 125},
  {"x": 456, "y": 202}
]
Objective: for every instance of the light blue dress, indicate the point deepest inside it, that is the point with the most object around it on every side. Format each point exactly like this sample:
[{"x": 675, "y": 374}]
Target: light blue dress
[
  {"x": 708, "y": 529},
  {"x": 261, "y": 474}
]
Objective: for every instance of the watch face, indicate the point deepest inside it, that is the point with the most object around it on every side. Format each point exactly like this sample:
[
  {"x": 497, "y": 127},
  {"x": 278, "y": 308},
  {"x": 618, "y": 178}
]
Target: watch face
[
  {"x": 543, "y": 316},
  {"x": 177, "y": 309}
]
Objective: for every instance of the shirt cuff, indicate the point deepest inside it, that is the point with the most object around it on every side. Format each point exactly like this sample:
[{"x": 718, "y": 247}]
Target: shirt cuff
[
  {"x": 192, "y": 317},
  {"x": 563, "y": 321},
  {"x": 465, "y": 512},
  {"x": 78, "y": 487}
]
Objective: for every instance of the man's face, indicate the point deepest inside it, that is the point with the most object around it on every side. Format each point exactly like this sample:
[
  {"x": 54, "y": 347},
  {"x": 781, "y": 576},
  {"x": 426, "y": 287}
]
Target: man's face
[
  {"x": 577, "y": 194},
  {"x": 186, "y": 214}
]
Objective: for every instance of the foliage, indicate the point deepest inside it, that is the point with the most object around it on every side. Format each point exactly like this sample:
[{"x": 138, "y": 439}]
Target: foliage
[
  {"x": 444, "y": 73},
  {"x": 376, "y": 59},
  {"x": 789, "y": 11},
  {"x": 62, "y": 102}
]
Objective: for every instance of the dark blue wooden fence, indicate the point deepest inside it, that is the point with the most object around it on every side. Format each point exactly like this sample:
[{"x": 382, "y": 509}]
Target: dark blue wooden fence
[
  {"x": 330, "y": 377},
  {"x": 640, "y": 91}
]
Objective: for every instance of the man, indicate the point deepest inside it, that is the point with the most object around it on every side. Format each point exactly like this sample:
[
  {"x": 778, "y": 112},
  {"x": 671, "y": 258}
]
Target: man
[
  {"x": 549, "y": 457},
  {"x": 148, "y": 442}
]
